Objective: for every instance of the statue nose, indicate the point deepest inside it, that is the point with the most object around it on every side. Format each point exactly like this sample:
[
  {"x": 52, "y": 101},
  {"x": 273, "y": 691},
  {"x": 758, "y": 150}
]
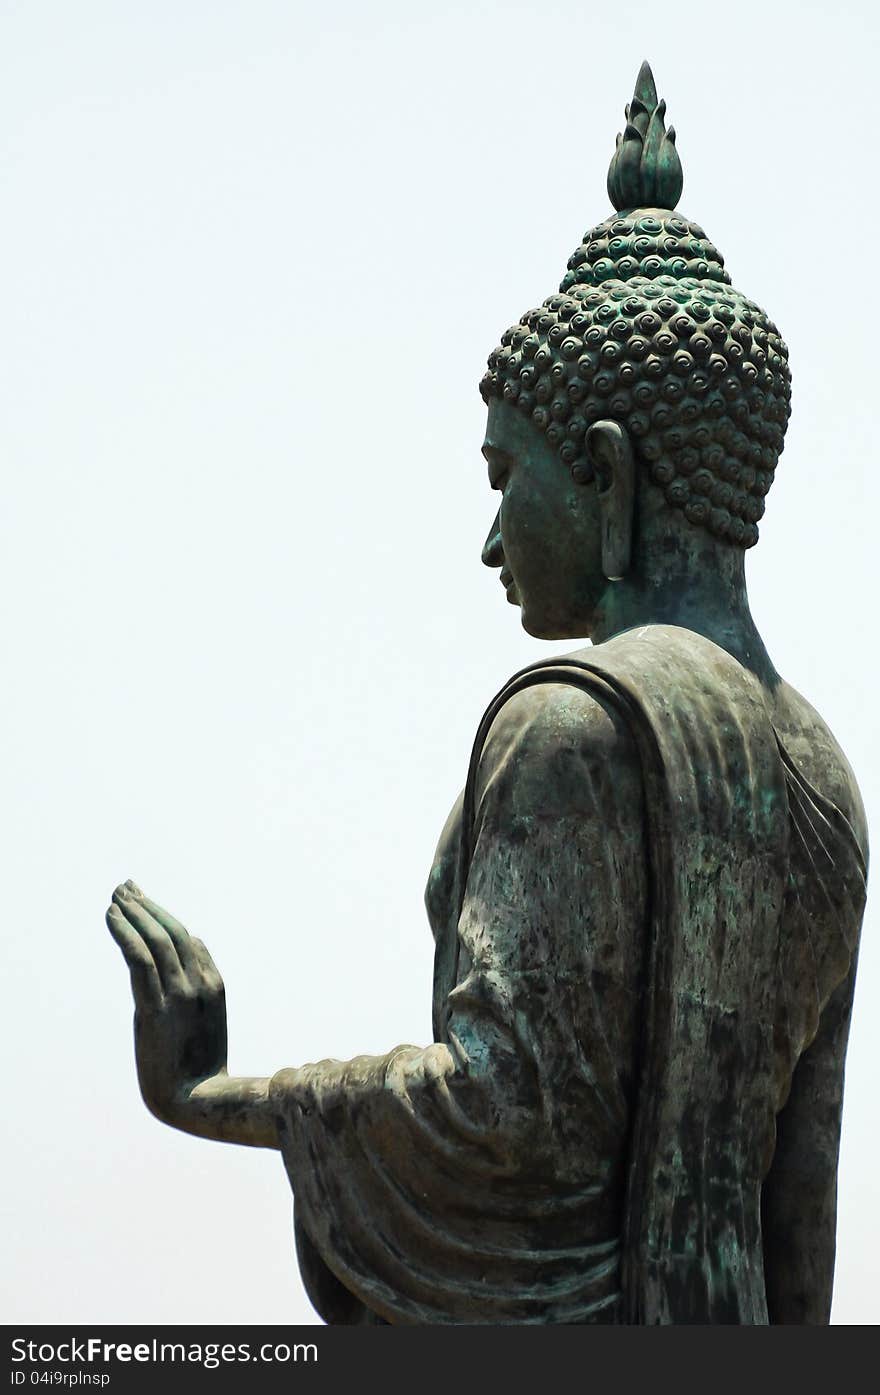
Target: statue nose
[{"x": 493, "y": 550}]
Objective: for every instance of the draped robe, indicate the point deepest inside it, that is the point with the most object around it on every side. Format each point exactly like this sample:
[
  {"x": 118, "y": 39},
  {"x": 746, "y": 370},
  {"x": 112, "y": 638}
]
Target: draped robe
[{"x": 641, "y": 909}]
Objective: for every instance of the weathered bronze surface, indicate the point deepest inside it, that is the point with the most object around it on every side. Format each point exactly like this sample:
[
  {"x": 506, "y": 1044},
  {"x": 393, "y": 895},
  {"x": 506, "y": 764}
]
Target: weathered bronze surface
[{"x": 646, "y": 903}]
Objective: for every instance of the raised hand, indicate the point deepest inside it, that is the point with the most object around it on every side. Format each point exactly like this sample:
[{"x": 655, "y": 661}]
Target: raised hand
[
  {"x": 180, "y": 1029},
  {"x": 179, "y": 1002}
]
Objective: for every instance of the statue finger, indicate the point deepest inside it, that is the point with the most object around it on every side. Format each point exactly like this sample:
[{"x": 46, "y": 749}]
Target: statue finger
[
  {"x": 203, "y": 958},
  {"x": 154, "y": 936},
  {"x": 177, "y": 933},
  {"x": 145, "y": 981}
]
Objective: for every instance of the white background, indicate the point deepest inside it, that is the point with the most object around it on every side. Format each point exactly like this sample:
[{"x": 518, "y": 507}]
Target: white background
[{"x": 254, "y": 256}]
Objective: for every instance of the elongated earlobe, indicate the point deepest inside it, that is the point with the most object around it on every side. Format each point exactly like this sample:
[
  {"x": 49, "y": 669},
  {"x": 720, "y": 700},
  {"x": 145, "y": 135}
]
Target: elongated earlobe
[{"x": 611, "y": 454}]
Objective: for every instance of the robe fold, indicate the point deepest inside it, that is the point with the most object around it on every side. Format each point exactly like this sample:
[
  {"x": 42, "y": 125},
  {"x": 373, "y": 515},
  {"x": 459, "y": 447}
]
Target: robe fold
[{"x": 641, "y": 910}]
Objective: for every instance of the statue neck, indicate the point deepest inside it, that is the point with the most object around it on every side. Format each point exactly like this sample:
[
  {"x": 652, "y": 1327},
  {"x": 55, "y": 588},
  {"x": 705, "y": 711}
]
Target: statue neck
[{"x": 685, "y": 578}]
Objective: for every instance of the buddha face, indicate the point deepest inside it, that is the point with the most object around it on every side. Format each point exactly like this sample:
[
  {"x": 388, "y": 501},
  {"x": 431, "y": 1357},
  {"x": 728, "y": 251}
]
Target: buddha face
[{"x": 546, "y": 537}]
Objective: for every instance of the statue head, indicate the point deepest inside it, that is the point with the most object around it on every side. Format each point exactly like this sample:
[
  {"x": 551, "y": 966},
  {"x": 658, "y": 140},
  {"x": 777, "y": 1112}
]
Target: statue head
[{"x": 648, "y": 360}]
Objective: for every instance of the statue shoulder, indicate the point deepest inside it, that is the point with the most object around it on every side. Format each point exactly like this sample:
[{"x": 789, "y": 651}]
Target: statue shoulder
[
  {"x": 552, "y": 751},
  {"x": 812, "y": 746},
  {"x": 554, "y": 748}
]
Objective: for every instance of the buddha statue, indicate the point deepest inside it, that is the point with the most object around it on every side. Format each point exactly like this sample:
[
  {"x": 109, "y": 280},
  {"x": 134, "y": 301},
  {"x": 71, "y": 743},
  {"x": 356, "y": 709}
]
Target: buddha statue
[{"x": 647, "y": 901}]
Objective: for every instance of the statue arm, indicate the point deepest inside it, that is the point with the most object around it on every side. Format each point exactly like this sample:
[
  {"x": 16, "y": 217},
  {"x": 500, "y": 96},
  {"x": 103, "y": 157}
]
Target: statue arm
[
  {"x": 551, "y": 752},
  {"x": 409, "y": 1169},
  {"x": 180, "y": 1029},
  {"x": 799, "y": 1197}
]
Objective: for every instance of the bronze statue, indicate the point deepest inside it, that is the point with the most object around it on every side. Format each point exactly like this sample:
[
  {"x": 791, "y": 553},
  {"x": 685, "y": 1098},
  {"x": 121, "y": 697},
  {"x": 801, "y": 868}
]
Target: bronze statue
[{"x": 646, "y": 903}]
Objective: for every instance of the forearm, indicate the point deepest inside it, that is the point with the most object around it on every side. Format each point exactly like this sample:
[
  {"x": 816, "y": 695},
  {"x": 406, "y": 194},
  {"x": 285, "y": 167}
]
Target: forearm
[
  {"x": 799, "y": 1196},
  {"x": 799, "y": 1225},
  {"x": 227, "y": 1109}
]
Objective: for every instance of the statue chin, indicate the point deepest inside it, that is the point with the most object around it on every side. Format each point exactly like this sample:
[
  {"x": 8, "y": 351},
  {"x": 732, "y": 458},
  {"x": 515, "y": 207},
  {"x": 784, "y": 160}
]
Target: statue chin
[
  {"x": 543, "y": 625},
  {"x": 537, "y": 626}
]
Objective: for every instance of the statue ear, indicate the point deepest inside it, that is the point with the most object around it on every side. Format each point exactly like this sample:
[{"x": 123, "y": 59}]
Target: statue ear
[{"x": 611, "y": 455}]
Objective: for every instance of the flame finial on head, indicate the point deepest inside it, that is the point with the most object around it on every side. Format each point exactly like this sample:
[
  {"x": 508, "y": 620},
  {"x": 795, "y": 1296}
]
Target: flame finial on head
[{"x": 645, "y": 171}]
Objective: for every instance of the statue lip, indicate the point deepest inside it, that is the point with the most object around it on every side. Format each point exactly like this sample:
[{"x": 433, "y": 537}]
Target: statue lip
[{"x": 509, "y": 585}]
